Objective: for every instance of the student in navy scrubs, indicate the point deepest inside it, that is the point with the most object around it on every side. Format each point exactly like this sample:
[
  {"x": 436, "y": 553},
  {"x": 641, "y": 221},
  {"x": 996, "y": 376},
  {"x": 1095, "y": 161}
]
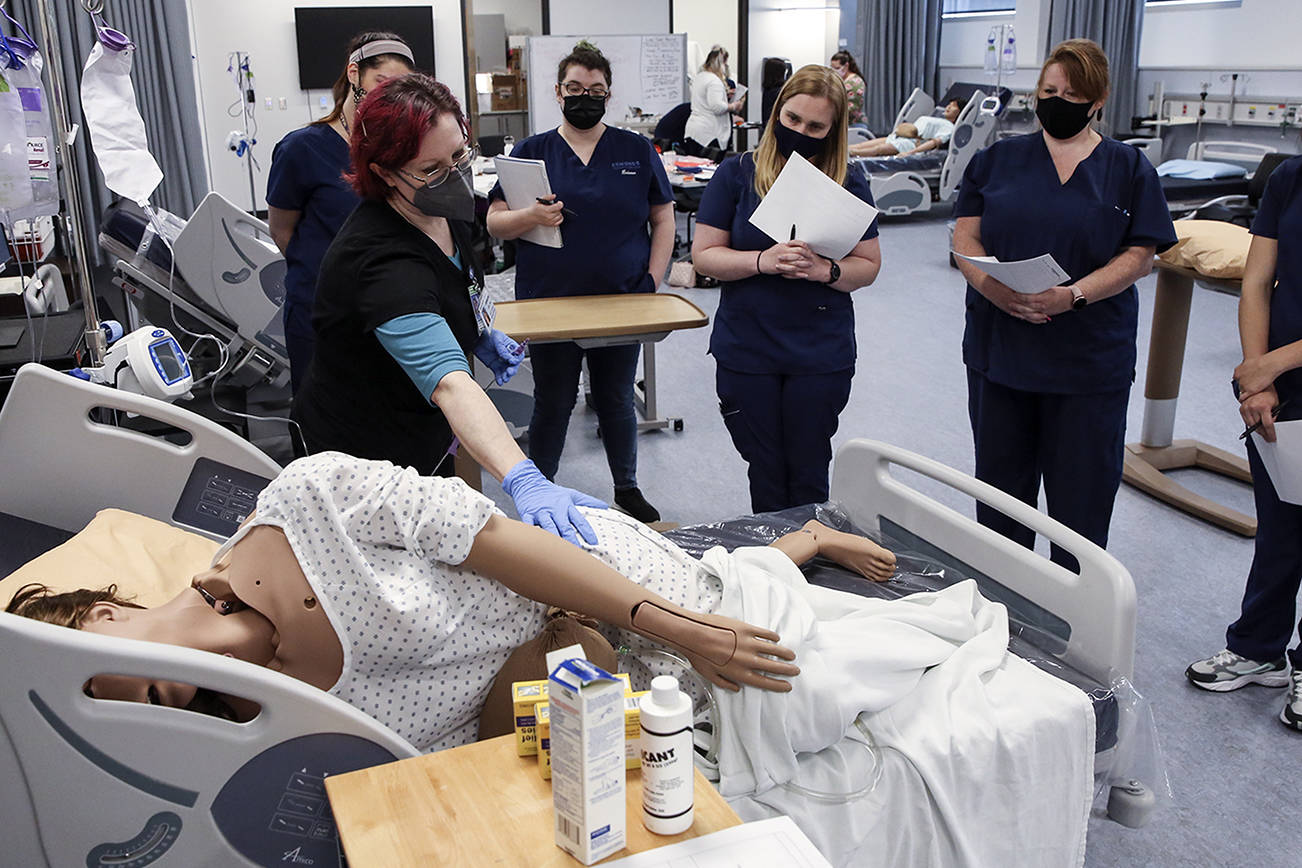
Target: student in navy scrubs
[
  {"x": 783, "y": 339},
  {"x": 307, "y": 196},
  {"x": 1049, "y": 374},
  {"x": 400, "y": 307},
  {"x": 610, "y": 187},
  {"x": 1270, "y": 329}
]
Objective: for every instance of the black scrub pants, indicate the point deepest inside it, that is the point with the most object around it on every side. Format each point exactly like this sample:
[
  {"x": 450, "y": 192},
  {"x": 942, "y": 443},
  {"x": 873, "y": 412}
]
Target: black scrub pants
[
  {"x": 782, "y": 424},
  {"x": 1267, "y": 618},
  {"x": 1074, "y": 443}
]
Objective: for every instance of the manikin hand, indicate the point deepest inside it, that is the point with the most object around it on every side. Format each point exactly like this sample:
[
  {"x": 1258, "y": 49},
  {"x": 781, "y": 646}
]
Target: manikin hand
[{"x": 729, "y": 653}]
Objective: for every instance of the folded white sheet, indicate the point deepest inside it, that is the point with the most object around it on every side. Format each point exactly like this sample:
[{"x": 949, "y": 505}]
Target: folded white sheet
[{"x": 987, "y": 760}]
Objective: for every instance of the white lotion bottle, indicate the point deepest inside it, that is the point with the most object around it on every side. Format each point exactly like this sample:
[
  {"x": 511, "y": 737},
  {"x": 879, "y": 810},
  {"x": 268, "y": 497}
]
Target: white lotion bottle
[{"x": 665, "y": 716}]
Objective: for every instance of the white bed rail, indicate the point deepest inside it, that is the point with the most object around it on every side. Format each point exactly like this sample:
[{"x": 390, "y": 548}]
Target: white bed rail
[
  {"x": 80, "y": 772},
  {"x": 919, "y": 103},
  {"x": 1098, "y": 604},
  {"x": 59, "y": 468}
]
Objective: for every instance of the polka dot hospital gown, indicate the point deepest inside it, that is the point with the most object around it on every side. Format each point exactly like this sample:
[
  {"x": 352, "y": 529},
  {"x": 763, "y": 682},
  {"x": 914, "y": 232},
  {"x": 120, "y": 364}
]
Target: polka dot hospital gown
[{"x": 422, "y": 636}]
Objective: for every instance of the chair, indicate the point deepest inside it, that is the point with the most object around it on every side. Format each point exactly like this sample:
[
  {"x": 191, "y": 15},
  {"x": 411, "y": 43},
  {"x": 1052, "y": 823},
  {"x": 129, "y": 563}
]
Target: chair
[{"x": 492, "y": 146}]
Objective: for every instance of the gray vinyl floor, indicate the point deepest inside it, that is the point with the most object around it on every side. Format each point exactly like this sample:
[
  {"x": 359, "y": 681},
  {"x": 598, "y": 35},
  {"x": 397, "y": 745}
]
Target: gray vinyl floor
[{"x": 1231, "y": 763}]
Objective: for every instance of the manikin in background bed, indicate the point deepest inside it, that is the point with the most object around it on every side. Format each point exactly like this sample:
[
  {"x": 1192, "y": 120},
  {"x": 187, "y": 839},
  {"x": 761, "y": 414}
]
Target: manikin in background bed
[
  {"x": 403, "y": 595},
  {"x": 927, "y": 133}
]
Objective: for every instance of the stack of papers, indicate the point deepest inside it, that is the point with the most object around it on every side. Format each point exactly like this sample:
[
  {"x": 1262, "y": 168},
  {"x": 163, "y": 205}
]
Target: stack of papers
[
  {"x": 524, "y": 182},
  {"x": 1027, "y": 276},
  {"x": 825, "y": 215}
]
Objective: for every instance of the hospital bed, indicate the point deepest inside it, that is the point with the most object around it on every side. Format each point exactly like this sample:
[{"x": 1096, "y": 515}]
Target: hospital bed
[
  {"x": 1186, "y": 196},
  {"x": 99, "y": 783},
  {"x": 217, "y": 274},
  {"x": 904, "y": 185}
]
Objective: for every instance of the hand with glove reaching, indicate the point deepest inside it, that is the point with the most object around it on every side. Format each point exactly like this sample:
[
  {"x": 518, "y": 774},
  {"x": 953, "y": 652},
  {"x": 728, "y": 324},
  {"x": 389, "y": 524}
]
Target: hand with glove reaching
[
  {"x": 552, "y": 507},
  {"x": 500, "y": 353}
]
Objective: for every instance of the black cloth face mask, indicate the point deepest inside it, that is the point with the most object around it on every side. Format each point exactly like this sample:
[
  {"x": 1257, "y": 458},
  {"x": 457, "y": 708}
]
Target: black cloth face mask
[
  {"x": 789, "y": 140},
  {"x": 453, "y": 199},
  {"x": 583, "y": 111},
  {"x": 1062, "y": 118}
]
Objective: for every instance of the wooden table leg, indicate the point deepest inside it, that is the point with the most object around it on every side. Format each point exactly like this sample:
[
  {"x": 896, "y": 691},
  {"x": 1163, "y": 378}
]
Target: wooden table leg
[{"x": 1158, "y": 451}]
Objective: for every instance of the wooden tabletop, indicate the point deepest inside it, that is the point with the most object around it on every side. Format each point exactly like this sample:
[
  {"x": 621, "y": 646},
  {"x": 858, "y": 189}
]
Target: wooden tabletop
[
  {"x": 598, "y": 316},
  {"x": 478, "y": 805}
]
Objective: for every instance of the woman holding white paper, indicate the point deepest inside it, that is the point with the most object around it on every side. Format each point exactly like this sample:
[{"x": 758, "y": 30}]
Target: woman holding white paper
[
  {"x": 783, "y": 338},
  {"x": 1270, "y": 329},
  {"x": 1049, "y": 373}
]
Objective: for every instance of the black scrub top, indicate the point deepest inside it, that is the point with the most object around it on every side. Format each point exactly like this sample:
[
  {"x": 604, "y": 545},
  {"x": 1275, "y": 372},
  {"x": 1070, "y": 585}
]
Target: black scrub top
[
  {"x": 1280, "y": 217},
  {"x": 769, "y": 324},
  {"x": 1112, "y": 201},
  {"x": 356, "y": 398}
]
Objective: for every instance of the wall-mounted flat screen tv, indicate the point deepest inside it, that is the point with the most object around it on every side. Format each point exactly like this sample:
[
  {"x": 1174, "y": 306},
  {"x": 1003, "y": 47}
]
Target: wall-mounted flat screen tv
[{"x": 324, "y": 32}]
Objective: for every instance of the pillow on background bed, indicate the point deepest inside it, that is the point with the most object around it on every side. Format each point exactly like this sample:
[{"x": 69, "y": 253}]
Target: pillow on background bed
[
  {"x": 150, "y": 561},
  {"x": 1211, "y": 247}
]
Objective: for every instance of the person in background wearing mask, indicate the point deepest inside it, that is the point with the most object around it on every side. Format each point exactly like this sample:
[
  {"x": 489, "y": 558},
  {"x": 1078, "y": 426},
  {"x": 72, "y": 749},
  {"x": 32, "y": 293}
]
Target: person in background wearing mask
[
  {"x": 783, "y": 338},
  {"x": 399, "y": 309},
  {"x": 307, "y": 196},
  {"x": 1049, "y": 374},
  {"x": 610, "y": 186},
  {"x": 843, "y": 64}
]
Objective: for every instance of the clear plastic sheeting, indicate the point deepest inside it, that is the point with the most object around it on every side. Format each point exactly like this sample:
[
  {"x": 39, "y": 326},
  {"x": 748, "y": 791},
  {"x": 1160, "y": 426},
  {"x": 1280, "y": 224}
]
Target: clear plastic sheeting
[{"x": 1129, "y": 771}]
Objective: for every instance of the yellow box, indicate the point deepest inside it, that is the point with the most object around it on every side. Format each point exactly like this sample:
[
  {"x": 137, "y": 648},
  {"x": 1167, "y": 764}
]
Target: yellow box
[
  {"x": 524, "y": 696},
  {"x": 632, "y": 733}
]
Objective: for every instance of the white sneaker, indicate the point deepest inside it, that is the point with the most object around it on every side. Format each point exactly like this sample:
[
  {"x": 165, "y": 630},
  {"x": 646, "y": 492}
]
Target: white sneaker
[
  {"x": 1226, "y": 670},
  {"x": 1291, "y": 714}
]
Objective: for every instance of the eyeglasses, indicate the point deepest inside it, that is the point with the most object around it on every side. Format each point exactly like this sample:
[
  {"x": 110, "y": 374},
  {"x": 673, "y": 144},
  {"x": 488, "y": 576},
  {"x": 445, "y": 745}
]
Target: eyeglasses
[
  {"x": 573, "y": 88},
  {"x": 461, "y": 161}
]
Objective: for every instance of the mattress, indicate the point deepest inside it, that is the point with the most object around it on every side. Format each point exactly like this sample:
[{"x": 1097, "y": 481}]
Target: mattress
[
  {"x": 1035, "y": 633},
  {"x": 1196, "y": 190},
  {"x": 125, "y": 223},
  {"x": 927, "y": 161},
  {"x": 22, "y": 540}
]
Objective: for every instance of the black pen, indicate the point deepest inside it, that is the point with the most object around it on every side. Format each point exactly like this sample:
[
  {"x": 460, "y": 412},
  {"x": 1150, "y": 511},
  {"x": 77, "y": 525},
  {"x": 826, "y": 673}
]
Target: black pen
[
  {"x": 793, "y": 232},
  {"x": 552, "y": 201},
  {"x": 1274, "y": 414}
]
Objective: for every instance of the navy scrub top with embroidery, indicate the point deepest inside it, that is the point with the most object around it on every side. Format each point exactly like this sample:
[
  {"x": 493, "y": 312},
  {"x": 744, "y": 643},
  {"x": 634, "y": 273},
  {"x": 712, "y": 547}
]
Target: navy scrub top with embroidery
[
  {"x": 307, "y": 168},
  {"x": 1113, "y": 200},
  {"x": 607, "y": 246},
  {"x": 1280, "y": 217},
  {"x": 768, "y": 324}
]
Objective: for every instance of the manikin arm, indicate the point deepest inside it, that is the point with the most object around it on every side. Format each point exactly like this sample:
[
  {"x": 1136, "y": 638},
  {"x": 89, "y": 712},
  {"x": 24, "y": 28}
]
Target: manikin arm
[{"x": 542, "y": 567}]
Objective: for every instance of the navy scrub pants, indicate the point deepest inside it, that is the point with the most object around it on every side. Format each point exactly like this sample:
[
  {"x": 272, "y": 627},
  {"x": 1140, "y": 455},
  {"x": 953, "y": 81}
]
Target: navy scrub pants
[
  {"x": 783, "y": 425},
  {"x": 1074, "y": 443},
  {"x": 555, "y": 388},
  {"x": 300, "y": 340},
  {"x": 1266, "y": 622}
]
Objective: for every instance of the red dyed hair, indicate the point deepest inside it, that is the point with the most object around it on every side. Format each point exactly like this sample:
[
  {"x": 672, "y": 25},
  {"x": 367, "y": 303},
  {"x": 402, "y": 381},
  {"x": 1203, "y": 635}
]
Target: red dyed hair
[{"x": 389, "y": 125}]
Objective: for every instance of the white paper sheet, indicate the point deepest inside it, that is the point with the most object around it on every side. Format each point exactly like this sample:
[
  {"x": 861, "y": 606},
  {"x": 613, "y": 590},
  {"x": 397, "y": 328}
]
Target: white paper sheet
[
  {"x": 774, "y": 843},
  {"x": 740, "y": 91},
  {"x": 826, "y": 216},
  {"x": 1027, "y": 276},
  {"x": 524, "y": 182},
  {"x": 1283, "y": 460}
]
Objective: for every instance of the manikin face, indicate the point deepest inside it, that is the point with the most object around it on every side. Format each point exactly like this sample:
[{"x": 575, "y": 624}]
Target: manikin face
[
  {"x": 952, "y": 111},
  {"x": 810, "y": 115},
  {"x": 1053, "y": 82}
]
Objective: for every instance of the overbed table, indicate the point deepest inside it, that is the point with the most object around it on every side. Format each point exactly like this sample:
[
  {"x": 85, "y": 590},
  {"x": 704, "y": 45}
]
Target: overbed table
[
  {"x": 600, "y": 321},
  {"x": 479, "y": 804},
  {"x": 1157, "y": 450}
]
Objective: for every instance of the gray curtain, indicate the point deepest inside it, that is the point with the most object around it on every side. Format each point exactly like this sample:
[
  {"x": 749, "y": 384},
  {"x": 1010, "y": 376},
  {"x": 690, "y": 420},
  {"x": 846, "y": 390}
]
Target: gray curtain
[
  {"x": 898, "y": 44},
  {"x": 1116, "y": 25},
  {"x": 163, "y": 76}
]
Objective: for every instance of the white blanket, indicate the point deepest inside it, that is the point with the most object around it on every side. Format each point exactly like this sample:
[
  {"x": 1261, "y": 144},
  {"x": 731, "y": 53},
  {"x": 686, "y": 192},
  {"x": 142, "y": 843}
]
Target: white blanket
[{"x": 987, "y": 760}]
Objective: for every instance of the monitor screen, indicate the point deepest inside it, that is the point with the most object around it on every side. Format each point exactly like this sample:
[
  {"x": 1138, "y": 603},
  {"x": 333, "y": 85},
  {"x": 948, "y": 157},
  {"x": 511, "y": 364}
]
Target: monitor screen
[
  {"x": 325, "y": 31},
  {"x": 165, "y": 355}
]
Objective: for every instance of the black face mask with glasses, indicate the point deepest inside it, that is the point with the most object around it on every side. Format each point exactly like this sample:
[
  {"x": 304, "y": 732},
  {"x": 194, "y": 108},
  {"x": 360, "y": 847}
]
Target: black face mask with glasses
[
  {"x": 447, "y": 191},
  {"x": 583, "y": 107}
]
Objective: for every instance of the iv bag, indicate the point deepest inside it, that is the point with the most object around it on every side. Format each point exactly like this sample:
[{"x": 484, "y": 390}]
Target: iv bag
[
  {"x": 26, "y": 81},
  {"x": 1008, "y": 56},
  {"x": 15, "y": 181},
  {"x": 117, "y": 132}
]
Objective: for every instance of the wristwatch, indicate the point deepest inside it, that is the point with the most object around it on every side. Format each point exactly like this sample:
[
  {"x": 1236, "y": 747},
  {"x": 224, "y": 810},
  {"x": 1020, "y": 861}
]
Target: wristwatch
[
  {"x": 835, "y": 270},
  {"x": 1078, "y": 299}
]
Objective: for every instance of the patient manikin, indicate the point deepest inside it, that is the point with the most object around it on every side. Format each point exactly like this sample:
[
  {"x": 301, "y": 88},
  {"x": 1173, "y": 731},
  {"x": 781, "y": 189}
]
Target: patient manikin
[
  {"x": 403, "y": 595},
  {"x": 924, "y": 134}
]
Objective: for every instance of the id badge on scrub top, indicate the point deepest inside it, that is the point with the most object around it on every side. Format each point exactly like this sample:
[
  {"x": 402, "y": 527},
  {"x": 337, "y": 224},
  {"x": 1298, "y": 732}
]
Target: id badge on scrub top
[{"x": 485, "y": 310}]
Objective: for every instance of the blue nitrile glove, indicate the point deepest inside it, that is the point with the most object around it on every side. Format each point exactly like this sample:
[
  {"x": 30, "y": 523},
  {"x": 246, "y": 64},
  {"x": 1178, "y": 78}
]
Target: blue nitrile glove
[
  {"x": 552, "y": 507},
  {"x": 500, "y": 353}
]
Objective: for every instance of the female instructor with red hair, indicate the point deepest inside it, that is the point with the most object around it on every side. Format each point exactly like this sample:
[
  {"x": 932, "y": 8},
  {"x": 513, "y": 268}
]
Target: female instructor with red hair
[{"x": 398, "y": 312}]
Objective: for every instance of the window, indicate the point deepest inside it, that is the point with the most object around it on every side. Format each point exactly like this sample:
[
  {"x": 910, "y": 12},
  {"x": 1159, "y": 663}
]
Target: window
[
  {"x": 1186, "y": 4},
  {"x": 961, "y": 8}
]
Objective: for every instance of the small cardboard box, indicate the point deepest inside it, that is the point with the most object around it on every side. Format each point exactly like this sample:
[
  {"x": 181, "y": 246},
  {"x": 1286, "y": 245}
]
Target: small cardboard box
[
  {"x": 507, "y": 92},
  {"x": 587, "y": 746},
  {"x": 524, "y": 696},
  {"x": 632, "y": 734}
]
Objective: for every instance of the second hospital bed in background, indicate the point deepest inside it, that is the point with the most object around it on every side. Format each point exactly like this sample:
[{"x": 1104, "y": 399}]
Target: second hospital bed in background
[{"x": 103, "y": 780}]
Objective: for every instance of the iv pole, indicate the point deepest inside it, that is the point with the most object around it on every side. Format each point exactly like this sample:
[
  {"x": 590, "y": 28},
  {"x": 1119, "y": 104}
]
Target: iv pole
[{"x": 74, "y": 224}]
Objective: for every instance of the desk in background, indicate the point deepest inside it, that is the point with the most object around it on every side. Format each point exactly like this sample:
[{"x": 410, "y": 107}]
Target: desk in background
[{"x": 479, "y": 804}]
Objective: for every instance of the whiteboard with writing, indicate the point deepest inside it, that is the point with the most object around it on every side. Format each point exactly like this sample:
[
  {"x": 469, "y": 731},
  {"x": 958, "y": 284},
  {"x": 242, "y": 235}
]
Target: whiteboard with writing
[{"x": 649, "y": 72}]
